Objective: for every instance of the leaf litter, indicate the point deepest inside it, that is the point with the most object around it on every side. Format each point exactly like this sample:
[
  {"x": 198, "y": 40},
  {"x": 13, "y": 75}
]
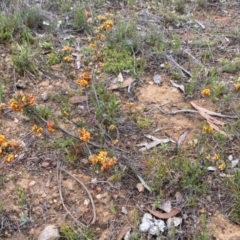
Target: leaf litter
[{"x": 121, "y": 83}]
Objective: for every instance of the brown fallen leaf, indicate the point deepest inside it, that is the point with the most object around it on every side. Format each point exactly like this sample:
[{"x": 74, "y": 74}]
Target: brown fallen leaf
[
  {"x": 56, "y": 67},
  {"x": 124, "y": 84},
  {"x": 140, "y": 187},
  {"x": 182, "y": 138},
  {"x": 181, "y": 87},
  {"x": 154, "y": 143},
  {"x": 213, "y": 122},
  {"x": 46, "y": 164},
  {"x": 123, "y": 232},
  {"x": 158, "y": 214},
  {"x": 77, "y": 99}
]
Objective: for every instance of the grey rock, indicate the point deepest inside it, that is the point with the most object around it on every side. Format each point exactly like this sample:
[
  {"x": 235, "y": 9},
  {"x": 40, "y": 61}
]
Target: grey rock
[
  {"x": 21, "y": 84},
  {"x": 157, "y": 79},
  {"x": 45, "y": 96},
  {"x": 50, "y": 232}
]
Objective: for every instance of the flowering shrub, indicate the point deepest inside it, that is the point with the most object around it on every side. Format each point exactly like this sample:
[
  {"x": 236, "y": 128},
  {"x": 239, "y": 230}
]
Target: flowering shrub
[
  {"x": 103, "y": 160},
  {"x": 207, "y": 129},
  {"x": 84, "y": 79},
  {"x": 37, "y": 130},
  {"x": 84, "y": 135},
  {"x": 106, "y": 25},
  {"x": 206, "y": 91},
  {"x": 68, "y": 59},
  {"x": 7, "y": 148},
  {"x": 20, "y": 101},
  {"x": 50, "y": 126},
  {"x": 237, "y": 86},
  {"x": 67, "y": 49}
]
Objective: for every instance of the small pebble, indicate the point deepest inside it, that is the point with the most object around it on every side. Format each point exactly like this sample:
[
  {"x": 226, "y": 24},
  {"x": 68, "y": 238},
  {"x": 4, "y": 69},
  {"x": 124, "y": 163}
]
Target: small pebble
[
  {"x": 157, "y": 79},
  {"x": 45, "y": 96}
]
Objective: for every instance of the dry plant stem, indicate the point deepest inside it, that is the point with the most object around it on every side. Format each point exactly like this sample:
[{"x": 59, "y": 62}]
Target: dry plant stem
[
  {"x": 95, "y": 93},
  {"x": 170, "y": 58},
  {"x": 6, "y": 112},
  {"x": 63, "y": 130},
  {"x": 195, "y": 59},
  {"x": 102, "y": 182},
  {"x": 59, "y": 170},
  {"x": 89, "y": 151},
  {"x": 61, "y": 197},
  {"x": 134, "y": 62},
  {"x": 200, "y": 24},
  {"x": 86, "y": 189},
  {"x": 14, "y": 80},
  {"x": 193, "y": 111}
]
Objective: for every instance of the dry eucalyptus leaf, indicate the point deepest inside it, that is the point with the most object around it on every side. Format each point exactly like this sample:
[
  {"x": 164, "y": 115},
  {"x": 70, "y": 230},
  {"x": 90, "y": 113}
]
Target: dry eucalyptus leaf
[
  {"x": 181, "y": 87},
  {"x": 123, "y": 232},
  {"x": 140, "y": 187},
  {"x": 154, "y": 143},
  {"x": 46, "y": 164},
  {"x": 77, "y": 99},
  {"x": 57, "y": 67},
  {"x": 124, "y": 84},
  {"x": 182, "y": 138},
  {"x": 158, "y": 214},
  {"x": 213, "y": 122},
  {"x": 124, "y": 210}
]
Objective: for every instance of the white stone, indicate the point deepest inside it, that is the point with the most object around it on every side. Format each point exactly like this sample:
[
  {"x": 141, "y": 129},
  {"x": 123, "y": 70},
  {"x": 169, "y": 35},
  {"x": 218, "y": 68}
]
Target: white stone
[
  {"x": 154, "y": 230},
  {"x": 49, "y": 233},
  {"x": 147, "y": 217},
  {"x": 160, "y": 225},
  {"x": 174, "y": 221},
  {"x": 128, "y": 235},
  {"x": 145, "y": 226}
]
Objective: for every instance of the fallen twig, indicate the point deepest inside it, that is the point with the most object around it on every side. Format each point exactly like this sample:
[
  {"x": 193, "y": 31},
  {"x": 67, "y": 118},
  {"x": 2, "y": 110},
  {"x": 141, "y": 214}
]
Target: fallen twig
[
  {"x": 182, "y": 138},
  {"x": 200, "y": 24},
  {"x": 177, "y": 111},
  {"x": 214, "y": 114},
  {"x": 154, "y": 143},
  {"x": 59, "y": 170},
  {"x": 135, "y": 173},
  {"x": 170, "y": 58},
  {"x": 181, "y": 87},
  {"x": 195, "y": 59}
]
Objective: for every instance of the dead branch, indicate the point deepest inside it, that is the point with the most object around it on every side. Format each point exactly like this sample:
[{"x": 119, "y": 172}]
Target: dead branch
[
  {"x": 170, "y": 58},
  {"x": 200, "y": 24},
  {"x": 59, "y": 170},
  {"x": 214, "y": 114},
  {"x": 154, "y": 143},
  {"x": 195, "y": 59}
]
